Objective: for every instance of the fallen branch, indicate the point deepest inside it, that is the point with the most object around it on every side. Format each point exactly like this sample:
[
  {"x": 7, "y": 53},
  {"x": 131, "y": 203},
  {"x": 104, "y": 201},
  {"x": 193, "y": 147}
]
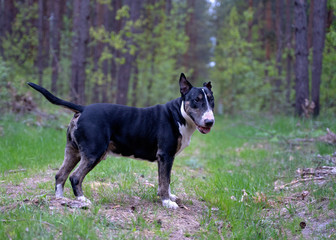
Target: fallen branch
[
  {"x": 17, "y": 170},
  {"x": 299, "y": 181}
]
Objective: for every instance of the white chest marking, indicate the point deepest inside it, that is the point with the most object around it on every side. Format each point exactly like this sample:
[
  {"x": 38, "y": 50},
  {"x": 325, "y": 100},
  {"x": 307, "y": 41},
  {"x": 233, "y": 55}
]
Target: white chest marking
[{"x": 186, "y": 130}]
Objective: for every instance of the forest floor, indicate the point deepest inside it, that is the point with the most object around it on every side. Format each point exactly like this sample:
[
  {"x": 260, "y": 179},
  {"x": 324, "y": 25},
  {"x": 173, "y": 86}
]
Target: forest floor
[{"x": 257, "y": 178}]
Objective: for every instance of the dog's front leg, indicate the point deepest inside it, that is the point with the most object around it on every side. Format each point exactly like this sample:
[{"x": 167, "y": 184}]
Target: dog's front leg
[{"x": 165, "y": 164}]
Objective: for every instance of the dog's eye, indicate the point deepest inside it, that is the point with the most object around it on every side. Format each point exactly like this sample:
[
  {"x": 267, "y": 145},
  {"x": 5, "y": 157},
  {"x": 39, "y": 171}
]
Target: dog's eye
[{"x": 196, "y": 100}]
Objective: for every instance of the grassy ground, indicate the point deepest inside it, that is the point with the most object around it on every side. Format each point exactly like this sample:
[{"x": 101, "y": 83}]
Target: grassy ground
[{"x": 240, "y": 181}]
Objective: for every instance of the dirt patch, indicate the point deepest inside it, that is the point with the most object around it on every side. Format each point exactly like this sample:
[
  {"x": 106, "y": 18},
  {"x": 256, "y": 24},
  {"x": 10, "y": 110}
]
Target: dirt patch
[{"x": 142, "y": 217}]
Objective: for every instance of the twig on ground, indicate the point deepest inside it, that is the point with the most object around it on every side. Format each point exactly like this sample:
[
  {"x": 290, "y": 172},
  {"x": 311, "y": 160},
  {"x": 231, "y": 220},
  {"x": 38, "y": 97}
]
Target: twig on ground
[
  {"x": 17, "y": 170},
  {"x": 299, "y": 181}
]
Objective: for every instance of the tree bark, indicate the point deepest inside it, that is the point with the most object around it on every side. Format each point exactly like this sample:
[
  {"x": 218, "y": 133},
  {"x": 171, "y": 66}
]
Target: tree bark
[
  {"x": 191, "y": 31},
  {"x": 40, "y": 58},
  {"x": 310, "y": 24},
  {"x": 55, "y": 42},
  {"x": 301, "y": 53},
  {"x": 269, "y": 28},
  {"x": 279, "y": 32},
  {"x": 81, "y": 9},
  {"x": 289, "y": 58},
  {"x": 319, "y": 24},
  {"x": 97, "y": 51}
]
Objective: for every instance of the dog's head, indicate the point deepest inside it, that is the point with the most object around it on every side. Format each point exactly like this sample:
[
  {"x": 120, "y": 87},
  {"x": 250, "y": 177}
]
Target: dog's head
[{"x": 197, "y": 104}]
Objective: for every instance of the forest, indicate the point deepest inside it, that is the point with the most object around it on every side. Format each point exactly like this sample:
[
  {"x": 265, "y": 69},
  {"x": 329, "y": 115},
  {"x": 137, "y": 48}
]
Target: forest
[
  {"x": 261, "y": 55},
  {"x": 267, "y": 168}
]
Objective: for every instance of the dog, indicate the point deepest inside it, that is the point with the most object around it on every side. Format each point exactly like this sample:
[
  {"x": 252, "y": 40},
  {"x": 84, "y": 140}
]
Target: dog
[{"x": 157, "y": 134}]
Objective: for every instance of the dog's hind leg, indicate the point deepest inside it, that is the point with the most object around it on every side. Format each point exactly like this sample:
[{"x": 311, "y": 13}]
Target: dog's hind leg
[
  {"x": 77, "y": 177},
  {"x": 71, "y": 158}
]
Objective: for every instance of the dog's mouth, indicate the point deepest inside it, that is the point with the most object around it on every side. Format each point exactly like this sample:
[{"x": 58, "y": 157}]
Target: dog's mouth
[{"x": 203, "y": 130}]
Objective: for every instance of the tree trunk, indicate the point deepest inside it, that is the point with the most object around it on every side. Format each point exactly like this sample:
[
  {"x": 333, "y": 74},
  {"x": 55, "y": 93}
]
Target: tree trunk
[
  {"x": 81, "y": 9},
  {"x": 289, "y": 60},
  {"x": 191, "y": 32},
  {"x": 310, "y": 24},
  {"x": 279, "y": 33},
  {"x": 301, "y": 53},
  {"x": 55, "y": 42},
  {"x": 40, "y": 59},
  {"x": 97, "y": 51},
  {"x": 268, "y": 28},
  {"x": 320, "y": 15}
]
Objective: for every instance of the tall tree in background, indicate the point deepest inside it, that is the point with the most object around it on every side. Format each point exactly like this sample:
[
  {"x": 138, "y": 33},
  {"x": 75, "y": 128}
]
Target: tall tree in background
[
  {"x": 55, "y": 36},
  {"x": 280, "y": 38},
  {"x": 98, "y": 22},
  {"x": 319, "y": 24},
  {"x": 301, "y": 53},
  {"x": 252, "y": 47},
  {"x": 197, "y": 56},
  {"x": 268, "y": 29},
  {"x": 40, "y": 56},
  {"x": 310, "y": 23},
  {"x": 81, "y": 10},
  {"x": 289, "y": 57}
]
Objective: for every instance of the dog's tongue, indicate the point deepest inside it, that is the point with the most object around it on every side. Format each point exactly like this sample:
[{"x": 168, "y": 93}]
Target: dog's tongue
[{"x": 203, "y": 129}]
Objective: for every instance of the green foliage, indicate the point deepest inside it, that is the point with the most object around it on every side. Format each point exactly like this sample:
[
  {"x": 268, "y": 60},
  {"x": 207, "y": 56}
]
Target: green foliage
[
  {"x": 328, "y": 78},
  {"x": 4, "y": 93},
  {"x": 20, "y": 45},
  {"x": 160, "y": 46},
  {"x": 239, "y": 75}
]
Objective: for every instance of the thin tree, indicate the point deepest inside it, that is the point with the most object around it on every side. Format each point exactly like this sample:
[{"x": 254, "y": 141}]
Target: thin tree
[
  {"x": 268, "y": 29},
  {"x": 289, "y": 58},
  {"x": 301, "y": 54},
  {"x": 40, "y": 59},
  {"x": 319, "y": 20},
  {"x": 55, "y": 42},
  {"x": 310, "y": 23},
  {"x": 280, "y": 38},
  {"x": 81, "y": 10}
]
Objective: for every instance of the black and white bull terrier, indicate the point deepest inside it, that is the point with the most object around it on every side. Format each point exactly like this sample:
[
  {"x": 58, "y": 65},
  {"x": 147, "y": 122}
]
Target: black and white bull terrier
[{"x": 156, "y": 133}]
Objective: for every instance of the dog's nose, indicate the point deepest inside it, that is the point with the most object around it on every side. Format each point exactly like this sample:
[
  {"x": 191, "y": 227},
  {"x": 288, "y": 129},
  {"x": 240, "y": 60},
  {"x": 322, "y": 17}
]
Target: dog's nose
[{"x": 209, "y": 122}]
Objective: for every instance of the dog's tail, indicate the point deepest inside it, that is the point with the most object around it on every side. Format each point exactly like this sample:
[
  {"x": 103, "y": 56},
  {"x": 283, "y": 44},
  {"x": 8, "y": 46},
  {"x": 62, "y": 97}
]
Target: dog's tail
[{"x": 55, "y": 100}]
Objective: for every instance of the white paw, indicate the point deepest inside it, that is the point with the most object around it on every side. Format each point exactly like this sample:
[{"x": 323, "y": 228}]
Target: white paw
[
  {"x": 173, "y": 197},
  {"x": 59, "y": 191},
  {"x": 84, "y": 199},
  {"x": 169, "y": 204}
]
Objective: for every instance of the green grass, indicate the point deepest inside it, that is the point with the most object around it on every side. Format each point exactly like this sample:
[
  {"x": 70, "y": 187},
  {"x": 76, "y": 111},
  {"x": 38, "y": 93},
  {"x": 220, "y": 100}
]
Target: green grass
[{"x": 238, "y": 157}]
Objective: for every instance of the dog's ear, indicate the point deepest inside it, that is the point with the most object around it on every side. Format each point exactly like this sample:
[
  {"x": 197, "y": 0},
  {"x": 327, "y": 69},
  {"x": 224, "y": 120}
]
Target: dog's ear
[
  {"x": 207, "y": 85},
  {"x": 185, "y": 86}
]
